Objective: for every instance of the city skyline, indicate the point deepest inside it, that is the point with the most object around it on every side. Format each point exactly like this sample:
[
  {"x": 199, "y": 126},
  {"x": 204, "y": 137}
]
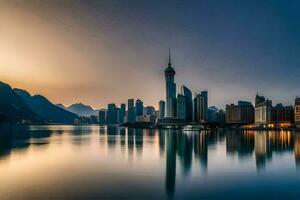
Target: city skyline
[{"x": 231, "y": 58}]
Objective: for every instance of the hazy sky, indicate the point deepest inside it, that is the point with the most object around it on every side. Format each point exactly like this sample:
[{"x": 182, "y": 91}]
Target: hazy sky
[{"x": 98, "y": 52}]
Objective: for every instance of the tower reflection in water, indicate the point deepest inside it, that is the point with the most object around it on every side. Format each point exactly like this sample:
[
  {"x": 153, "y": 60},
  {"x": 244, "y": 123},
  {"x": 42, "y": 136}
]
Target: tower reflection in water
[{"x": 177, "y": 149}]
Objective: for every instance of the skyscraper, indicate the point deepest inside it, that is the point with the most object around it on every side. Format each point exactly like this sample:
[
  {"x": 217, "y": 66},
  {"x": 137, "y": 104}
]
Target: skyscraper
[
  {"x": 112, "y": 114},
  {"x": 122, "y": 113},
  {"x": 139, "y": 107},
  {"x": 200, "y": 105},
  {"x": 162, "y": 109},
  {"x": 131, "y": 111},
  {"x": 188, "y": 102},
  {"x": 102, "y": 116},
  {"x": 170, "y": 89},
  {"x": 181, "y": 107}
]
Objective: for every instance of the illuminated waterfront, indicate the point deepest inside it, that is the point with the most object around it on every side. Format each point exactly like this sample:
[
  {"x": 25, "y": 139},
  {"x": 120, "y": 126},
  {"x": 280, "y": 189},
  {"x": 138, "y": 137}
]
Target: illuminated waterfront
[{"x": 94, "y": 162}]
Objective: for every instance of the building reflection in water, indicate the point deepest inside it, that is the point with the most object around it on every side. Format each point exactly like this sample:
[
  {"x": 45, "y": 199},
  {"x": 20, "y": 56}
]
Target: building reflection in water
[
  {"x": 171, "y": 145},
  {"x": 174, "y": 145},
  {"x": 297, "y": 151},
  {"x": 200, "y": 149},
  {"x": 20, "y": 138},
  {"x": 185, "y": 151},
  {"x": 138, "y": 136}
]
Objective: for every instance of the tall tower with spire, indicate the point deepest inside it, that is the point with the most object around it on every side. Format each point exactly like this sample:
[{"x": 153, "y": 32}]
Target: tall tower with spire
[{"x": 170, "y": 89}]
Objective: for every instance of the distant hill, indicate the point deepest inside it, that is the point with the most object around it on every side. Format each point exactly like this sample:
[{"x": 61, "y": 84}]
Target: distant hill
[
  {"x": 44, "y": 108},
  {"x": 13, "y": 108},
  {"x": 81, "y": 109},
  {"x": 61, "y": 106}
]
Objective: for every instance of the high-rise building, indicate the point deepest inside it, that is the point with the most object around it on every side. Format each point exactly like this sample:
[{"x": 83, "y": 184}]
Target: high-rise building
[
  {"x": 188, "y": 102},
  {"x": 118, "y": 115},
  {"x": 102, "y": 116},
  {"x": 242, "y": 113},
  {"x": 162, "y": 109},
  {"x": 170, "y": 90},
  {"x": 263, "y": 110},
  {"x": 139, "y": 107},
  {"x": 131, "y": 111},
  {"x": 122, "y": 113},
  {"x": 297, "y": 111},
  {"x": 112, "y": 114},
  {"x": 200, "y": 107},
  {"x": 181, "y": 107}
]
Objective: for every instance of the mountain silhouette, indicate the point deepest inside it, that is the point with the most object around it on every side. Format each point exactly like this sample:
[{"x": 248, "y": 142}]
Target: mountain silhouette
[
  {"x": 80, "y": 109},
  {"x": 61, "y": 106},
  {"x": 13, "y": 108},
  {"x": 44, "y": 108}
]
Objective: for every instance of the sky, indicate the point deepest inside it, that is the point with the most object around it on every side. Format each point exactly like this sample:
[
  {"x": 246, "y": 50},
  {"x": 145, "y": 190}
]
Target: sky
[{"x": 100, "y": 52}]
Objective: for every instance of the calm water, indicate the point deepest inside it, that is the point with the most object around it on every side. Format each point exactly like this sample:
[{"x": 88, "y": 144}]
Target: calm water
[{"x": 92, "y": 162}]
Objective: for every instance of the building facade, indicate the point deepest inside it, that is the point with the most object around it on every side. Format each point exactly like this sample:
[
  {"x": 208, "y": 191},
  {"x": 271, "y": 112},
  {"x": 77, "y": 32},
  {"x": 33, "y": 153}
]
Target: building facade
[
  {"x": 112, "y": 114},
  {"x": 139, "y": 107},
  {"x": 188, "y": 103},
  {"x": 200, "y": 107},
  {"x": 181, "y": 107},
  {"x": 170, "y": 90},
  {"x": 162, "y": 108},
  {"x": 297, "y": 112},
  {"x": 131, "y": 111},
  {"x": 150, "y": 110},
  {"x": 242, "y": 113},
  {"x": 283, "y": 114},
  {"x": 122, "y": 113},
  {"x": 102, "y": 117},
  {"x": 263, "y": 111}
]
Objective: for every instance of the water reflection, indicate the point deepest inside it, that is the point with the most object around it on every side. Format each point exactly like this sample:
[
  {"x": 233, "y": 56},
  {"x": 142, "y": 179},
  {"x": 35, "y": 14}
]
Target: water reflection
[{"x": 181, "y": 154}]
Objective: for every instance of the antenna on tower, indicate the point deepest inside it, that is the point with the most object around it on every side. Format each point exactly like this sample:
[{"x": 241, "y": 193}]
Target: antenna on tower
[{"x": 169, "y": 57}]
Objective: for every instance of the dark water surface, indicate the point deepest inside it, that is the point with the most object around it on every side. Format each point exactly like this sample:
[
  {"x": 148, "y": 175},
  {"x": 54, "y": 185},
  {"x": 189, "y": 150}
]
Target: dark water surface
[{"x": 92, "y": 162}]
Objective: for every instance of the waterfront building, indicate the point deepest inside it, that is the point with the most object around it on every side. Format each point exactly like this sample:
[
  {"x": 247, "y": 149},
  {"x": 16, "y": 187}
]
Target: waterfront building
[
  {"x": 102, "y": 116},
  {"x": 188, "y": 102},
  {"x": 131, "y": 111},
  {"x": 170, "y": 90},
  {"x": 200, "y": 107},
  {"x": 157, "y": 114},
  {"x": 297, "y": 112},
  {"x": 181, "y": 107},
  {"x": 146, "y": 118},
  {"x": 112, "y": 114},
  {"x": 242, "y": 113},
  {"x": 283, "y": 115},
  {"x": 150, "y": 110},
  {"x": 162, "y": 109},
  {"x": 221, "y": 116},
  {"x": 263, "y": 111},
  {"x": 139, "y": 107},
  {"x": 214, "y": 115},
  {"x": 122, "y": 113},
  {"x": 93, "y": 119}
]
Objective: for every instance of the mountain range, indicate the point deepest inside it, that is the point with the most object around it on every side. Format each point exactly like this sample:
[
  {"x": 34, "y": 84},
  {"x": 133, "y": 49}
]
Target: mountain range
[
  {"x": 13, "y": 108},
  {"x": 80, "y": 109},
  {"x": 17, "y": 105}
]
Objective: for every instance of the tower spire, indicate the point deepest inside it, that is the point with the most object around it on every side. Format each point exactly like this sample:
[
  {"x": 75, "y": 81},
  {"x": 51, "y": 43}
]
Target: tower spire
[{"x": 169, "y": 57}]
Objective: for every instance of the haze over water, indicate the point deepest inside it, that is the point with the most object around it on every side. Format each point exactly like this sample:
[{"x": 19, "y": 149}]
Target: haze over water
[{"x": 94, "y": 162}]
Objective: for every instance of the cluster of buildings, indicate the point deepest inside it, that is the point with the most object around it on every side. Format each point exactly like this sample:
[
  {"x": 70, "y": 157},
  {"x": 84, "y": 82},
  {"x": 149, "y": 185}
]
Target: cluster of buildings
[
  {"x": 184, "y": 109},
  {"x": 136, "y": 112},
  {"x": 263, "y": 113}
]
